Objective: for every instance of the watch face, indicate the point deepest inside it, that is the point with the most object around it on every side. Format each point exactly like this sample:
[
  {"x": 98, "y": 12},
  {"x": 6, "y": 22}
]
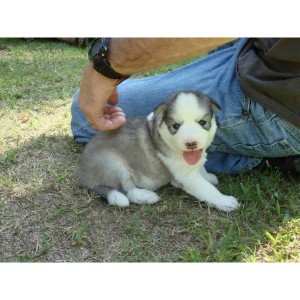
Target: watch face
[
  {"x": 95, "y": 48},
  {"x": 98, "y": 55}
]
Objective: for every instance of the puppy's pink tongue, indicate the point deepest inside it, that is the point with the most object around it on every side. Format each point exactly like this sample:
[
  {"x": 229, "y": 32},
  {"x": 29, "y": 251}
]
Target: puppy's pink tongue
[{"x": 192, "y": 157}]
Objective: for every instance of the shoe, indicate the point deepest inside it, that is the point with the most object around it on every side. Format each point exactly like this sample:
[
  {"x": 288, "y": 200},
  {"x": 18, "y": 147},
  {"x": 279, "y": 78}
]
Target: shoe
[
  {"x": 79, "y": 42},
  {"x": 289, "y": 165}
]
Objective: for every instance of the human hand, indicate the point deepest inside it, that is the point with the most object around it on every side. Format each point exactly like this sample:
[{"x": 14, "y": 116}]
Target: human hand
[{"x": 96, "y": 91}]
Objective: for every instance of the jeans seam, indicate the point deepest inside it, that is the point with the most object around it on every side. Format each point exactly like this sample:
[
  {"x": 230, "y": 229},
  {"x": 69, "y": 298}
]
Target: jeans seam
[
  {"x": 291, "y": 129},
  {"x": 255, "y": 148}
]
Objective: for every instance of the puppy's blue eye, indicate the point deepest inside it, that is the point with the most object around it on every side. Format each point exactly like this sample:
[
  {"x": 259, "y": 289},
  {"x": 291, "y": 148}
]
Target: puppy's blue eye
[
  {"x": 202, "y": 122},
  {"x": 176, "y": 126}
]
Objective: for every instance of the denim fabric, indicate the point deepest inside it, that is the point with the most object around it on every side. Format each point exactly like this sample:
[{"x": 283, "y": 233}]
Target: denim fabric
[{"x": 246, "y": 131}]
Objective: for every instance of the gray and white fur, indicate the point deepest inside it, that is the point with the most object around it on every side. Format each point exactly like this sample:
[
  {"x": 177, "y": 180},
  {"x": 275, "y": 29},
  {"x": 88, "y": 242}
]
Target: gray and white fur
[{"x": 168, "y": 146}]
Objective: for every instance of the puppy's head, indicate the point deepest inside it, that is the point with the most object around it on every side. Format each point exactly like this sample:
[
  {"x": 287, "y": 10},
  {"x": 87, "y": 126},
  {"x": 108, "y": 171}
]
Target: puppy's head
[{"x": 186, "y": 124}]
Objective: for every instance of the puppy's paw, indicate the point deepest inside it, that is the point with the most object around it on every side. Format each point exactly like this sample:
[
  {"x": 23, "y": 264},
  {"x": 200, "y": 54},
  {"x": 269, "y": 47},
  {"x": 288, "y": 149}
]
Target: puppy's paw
[
  {"x": 117, "y": 198},
  {"x": 213, "y": 179},
  {"x": 142, "y": 196},
  {"x": 227, "y": 204}
]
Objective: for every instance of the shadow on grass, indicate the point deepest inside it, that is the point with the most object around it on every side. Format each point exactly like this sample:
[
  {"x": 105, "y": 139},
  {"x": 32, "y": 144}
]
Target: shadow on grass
[{"x": 46, "y": 216}]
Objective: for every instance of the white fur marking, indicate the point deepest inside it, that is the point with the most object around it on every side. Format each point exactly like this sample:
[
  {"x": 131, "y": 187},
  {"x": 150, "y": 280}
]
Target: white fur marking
[
  {"x": 188, "y": 112},
  {"x": 150, "y": 116},
  {"x": 117, "y": 198},
  {"x": 203, "y": 190},
  {"x": 142, "y": 196},
  {"x": 196, "y": 184},
  {"x": 213, "y": 179},
  {"x": 187, "y": 106},
  {"x": 227, "y": 203}
]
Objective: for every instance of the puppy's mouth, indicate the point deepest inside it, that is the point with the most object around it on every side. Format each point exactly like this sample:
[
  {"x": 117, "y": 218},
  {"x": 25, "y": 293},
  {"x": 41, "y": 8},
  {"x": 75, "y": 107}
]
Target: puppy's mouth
[{"x": 192, "y": 157}]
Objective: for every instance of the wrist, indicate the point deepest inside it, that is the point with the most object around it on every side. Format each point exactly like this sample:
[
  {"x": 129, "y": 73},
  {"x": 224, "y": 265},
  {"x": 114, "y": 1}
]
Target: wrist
[
  {"x": 95, "y": 87},
  {"x": 96, "y": 77}
]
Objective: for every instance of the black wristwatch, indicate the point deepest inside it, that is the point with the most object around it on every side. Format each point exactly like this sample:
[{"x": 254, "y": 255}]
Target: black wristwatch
[{"x": 98, "y": 54}]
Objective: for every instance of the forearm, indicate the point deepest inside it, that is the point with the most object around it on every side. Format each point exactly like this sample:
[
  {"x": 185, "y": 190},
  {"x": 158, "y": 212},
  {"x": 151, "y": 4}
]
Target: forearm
[{"x": 132, "y": 55}]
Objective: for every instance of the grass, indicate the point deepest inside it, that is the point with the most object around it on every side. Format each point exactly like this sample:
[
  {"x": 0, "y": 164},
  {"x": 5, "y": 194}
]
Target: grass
[{"x": 45, "y": 216}]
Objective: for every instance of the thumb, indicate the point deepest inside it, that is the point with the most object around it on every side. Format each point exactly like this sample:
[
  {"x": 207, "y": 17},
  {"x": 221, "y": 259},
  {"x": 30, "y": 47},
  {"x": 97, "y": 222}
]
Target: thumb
[{"x": 114, "y": 98}]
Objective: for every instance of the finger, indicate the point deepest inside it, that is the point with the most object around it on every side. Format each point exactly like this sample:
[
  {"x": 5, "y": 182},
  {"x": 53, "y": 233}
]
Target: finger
[
  {"x": 117, "y": 114},
  {"x": 114, "y": 98},
  {"x": 110, "y": 124},
  {"x": 108, "y": 119},
  {"x": 111, "y": 109},
  {"x": 114, "y": 115}
]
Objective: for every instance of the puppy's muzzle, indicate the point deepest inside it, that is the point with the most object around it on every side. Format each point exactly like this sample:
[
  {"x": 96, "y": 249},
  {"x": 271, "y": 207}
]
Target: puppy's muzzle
[{"x": 191, "y": 145}]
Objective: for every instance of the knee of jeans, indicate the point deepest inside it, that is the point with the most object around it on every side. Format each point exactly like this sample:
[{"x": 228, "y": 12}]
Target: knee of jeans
[
  {"x": 80, "y": 128},
  {"x": 82, "y": 134}
]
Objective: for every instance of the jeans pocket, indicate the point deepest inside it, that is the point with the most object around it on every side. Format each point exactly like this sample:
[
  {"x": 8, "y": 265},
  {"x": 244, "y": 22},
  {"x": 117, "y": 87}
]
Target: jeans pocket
[
  {"x": 235, "y": 113},
  {"x": 293, "y": 131},
  {"x": 258, "y": 113}
]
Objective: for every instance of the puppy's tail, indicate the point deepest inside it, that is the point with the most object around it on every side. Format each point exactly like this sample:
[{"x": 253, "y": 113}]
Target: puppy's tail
[{"x": 113, "y": 196}]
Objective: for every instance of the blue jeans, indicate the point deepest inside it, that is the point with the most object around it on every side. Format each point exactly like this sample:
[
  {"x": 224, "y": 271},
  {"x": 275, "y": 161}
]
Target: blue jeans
[{"x": 246, "y": 131}]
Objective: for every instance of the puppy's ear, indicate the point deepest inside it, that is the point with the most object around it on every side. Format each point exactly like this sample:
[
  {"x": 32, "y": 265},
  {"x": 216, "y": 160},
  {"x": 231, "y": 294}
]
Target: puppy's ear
[
  {"x": 159, "y": 112},
  {"x": 214, "y": 105}
]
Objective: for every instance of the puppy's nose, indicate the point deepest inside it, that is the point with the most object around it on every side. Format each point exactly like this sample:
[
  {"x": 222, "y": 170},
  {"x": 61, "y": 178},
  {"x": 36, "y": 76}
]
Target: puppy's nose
[{"x": 191, "y": 145}]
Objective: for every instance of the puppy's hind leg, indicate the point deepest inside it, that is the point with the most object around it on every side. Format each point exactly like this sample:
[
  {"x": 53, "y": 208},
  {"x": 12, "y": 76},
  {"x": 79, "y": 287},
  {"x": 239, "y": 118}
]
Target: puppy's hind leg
[
  {"x": 113, "y": 196},
  {"x": 139, "y": 196},
  {"x": 142, "y": 196}
]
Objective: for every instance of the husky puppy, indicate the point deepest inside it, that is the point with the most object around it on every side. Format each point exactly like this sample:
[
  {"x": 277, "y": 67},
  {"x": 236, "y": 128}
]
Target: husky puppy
[{"x": 169, "y": 146}]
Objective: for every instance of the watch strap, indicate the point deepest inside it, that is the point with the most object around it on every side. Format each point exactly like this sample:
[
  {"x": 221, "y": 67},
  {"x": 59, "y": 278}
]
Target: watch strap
[{"x": 98, "y": 54}]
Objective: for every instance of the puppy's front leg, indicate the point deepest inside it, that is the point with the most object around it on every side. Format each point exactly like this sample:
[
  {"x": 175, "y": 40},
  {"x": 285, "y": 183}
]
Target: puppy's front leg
[
  {"x": 213, "y": 179},
  {"x": 196, "y": 185}
]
